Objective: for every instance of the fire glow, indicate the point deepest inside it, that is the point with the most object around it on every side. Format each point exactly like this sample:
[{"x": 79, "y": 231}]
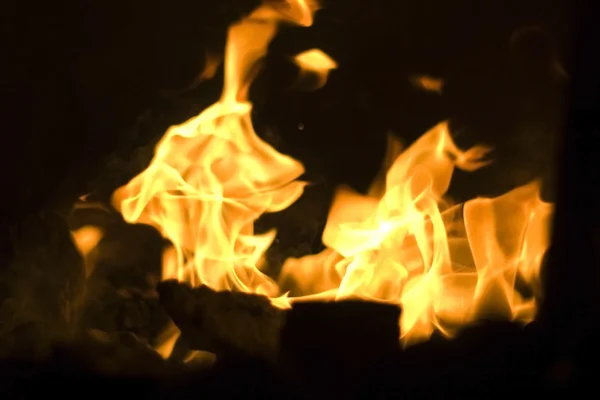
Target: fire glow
[{"x": 212, "y": 177}]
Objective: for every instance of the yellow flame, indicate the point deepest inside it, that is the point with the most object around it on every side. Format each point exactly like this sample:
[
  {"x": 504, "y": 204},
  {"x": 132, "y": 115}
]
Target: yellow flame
[
  {"x": 404, "y": 244},
  {"x": 212, "y": 177}
]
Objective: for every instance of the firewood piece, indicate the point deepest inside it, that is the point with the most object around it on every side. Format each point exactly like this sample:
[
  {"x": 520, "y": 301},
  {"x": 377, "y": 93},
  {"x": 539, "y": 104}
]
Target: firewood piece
[
  {"x": 225, "y": 323},
  {"x": 41, "y": 282},
  {"x": 334, "y": 345},
  {"x": 128, "y": 309},
  {"x": 124, "y": 268},
  {"x": 499, "y": 357},
  {"x": 119, "y": 353}
]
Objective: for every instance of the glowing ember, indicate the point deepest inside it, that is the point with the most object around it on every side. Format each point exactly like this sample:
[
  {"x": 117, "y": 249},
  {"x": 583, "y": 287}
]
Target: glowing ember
[{"x": 212, "y": 177}]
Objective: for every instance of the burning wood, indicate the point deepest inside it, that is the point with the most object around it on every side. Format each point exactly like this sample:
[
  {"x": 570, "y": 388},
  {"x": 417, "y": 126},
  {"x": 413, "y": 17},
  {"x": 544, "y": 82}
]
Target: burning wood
[
  {"x": 212, "y": 177},
  {"x": 223, "y": 322},
  {"x": 403, "y": 244}
]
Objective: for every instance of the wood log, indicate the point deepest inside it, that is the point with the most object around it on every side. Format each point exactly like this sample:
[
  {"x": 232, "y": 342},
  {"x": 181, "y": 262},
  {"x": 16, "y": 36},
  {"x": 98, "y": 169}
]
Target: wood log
[
  {"x": 41, "y": 283},
  {"x": 225, "y": 323},
  {"x": 119, "y": 353},
  {"x": 332, "y": 346}
]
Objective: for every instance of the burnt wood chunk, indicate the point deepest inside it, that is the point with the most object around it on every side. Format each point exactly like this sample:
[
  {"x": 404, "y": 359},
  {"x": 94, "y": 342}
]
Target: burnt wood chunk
[
  {"x": 225, "y": 323},
  {"x": 331, "y": 345},
  {"x": 41, "y": 284},
  {"x": 121, "y": 288},
  {"x": 119, "y": 353}
]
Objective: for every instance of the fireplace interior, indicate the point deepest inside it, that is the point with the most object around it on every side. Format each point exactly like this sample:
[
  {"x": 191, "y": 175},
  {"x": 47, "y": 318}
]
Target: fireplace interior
[{"x": 153, "y": 146}]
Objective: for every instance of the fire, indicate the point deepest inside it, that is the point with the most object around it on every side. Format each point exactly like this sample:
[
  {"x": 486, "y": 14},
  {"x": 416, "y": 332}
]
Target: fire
[
  {"x": 317, "y": 63},
  {"x": 428, "y": 83},
  {"x": 86, "y": 239},
  {"x": 212, "y": 177},
  {"x": 404, "y": 244}
]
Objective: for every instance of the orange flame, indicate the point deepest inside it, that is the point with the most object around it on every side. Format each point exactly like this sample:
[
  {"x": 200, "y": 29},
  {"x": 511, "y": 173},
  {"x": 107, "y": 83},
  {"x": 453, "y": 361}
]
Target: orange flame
[
  {"x": 428, "y": 83},
  {"x": 212, "y": 177},
  {"x": 86, "y": 239},
  {"x": 317, "y": 63},
  {"x": 167, "y": 340}
]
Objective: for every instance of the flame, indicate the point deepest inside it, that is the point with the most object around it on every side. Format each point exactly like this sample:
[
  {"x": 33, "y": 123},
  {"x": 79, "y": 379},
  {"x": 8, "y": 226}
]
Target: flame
[
  {"x": 167, "y": 340},
  {"x": 200, "y": 357},
  {"x": 446, "y": 265},
  {"x": 212, "y": 177},
  {"x": 428, "y": 83},
  {"x": 408, "y": 246},
  {"x": 316, "y": 62},
  {"x": 86, "y": 239}
]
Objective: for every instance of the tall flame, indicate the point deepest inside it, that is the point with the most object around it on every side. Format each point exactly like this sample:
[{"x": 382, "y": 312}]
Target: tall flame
[{"x": 212, "y": 177}]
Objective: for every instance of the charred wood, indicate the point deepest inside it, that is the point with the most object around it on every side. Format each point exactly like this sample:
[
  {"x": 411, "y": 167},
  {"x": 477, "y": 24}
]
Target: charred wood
[
  {"x": 331, "y": 345},
  {"x": 41, "y": 283},
  {"x": 224, "y": 323},
  {"x": 119, "y": 353},
  {"x": 121, "y": 287},
  {"x": 489, "y": 359}
]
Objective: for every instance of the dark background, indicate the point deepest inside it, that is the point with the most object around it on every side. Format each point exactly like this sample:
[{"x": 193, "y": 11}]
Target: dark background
[{"x": 78, "y": 75}]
